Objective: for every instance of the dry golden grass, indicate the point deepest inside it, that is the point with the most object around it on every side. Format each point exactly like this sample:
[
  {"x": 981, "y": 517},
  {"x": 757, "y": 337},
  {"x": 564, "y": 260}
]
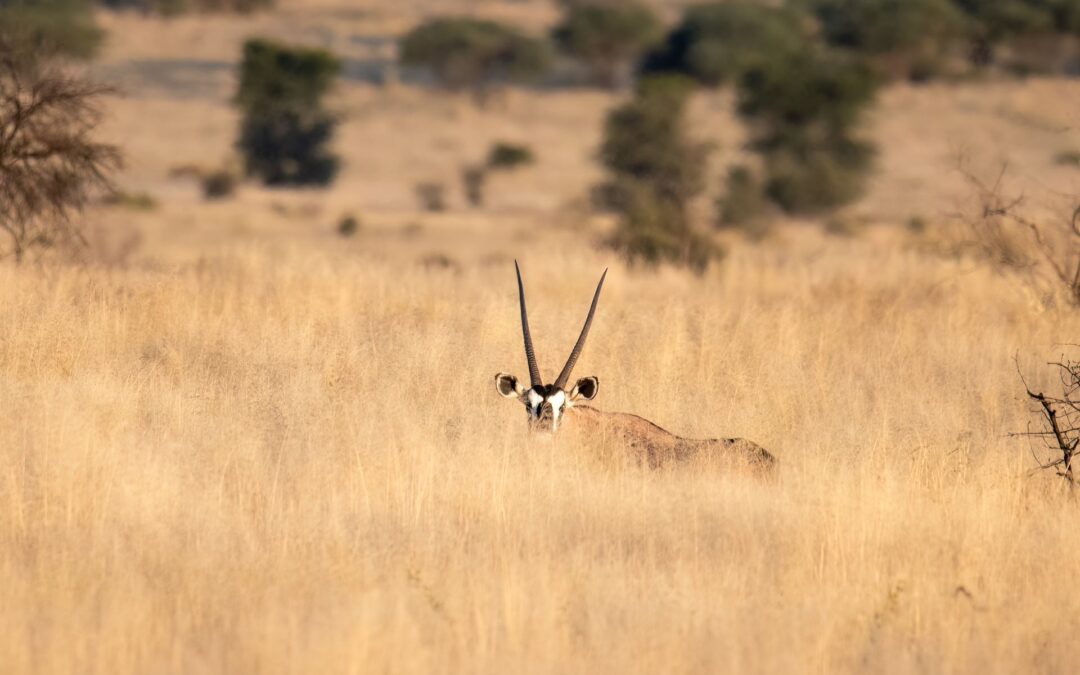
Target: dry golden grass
[
  {"x": 253, "y": 446},
  {"x": 293, "y": 460}
]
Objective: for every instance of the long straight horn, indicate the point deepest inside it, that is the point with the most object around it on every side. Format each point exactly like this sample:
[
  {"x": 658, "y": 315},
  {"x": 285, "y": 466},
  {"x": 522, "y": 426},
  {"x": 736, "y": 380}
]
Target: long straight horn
[
  {"x": 534, "y": 370},
  {"x": 565, "y": 374}
]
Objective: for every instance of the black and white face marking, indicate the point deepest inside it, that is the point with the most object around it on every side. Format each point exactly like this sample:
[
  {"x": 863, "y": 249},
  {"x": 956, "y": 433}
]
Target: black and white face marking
[{"x": 545, "y": 404}]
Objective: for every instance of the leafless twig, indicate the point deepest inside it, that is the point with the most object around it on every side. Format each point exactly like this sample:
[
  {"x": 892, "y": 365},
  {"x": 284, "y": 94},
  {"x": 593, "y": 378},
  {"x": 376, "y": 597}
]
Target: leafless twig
[
  {"x": 50, "y": 167},
  {"x": 1004, "y": 231},
  {"x": 1060, "y": 418}
]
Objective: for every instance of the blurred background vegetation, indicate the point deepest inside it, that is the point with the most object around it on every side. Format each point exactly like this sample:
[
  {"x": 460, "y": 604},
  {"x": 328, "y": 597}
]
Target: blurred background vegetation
[{"x": 803, "y": 76}]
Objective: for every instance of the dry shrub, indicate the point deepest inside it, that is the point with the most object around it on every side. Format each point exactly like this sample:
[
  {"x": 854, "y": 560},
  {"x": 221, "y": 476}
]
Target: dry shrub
[
  {"x": 473, "y": 180},
  {"x": 1043, "y": 249},
  {"x": 506, "y": 156},
  {"x": 349, "y": 225},
  {"x": 432, "y": 196},
  {"x": 50, "y": 165},
  {"x": 1058, "y": 431},
  {"x": 466, "y": 54},
  {"x": 219, "y": 184},
  {"x": 743, "y": 206}
]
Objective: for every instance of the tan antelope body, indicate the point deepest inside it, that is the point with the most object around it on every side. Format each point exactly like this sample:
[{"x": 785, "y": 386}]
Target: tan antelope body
[{"x": 551, "y": 408}]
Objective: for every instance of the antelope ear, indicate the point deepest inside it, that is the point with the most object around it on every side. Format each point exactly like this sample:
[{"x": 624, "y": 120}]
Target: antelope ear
[
  {"x": 508, "y": 386},
  {"x": 585, "y": 388}
]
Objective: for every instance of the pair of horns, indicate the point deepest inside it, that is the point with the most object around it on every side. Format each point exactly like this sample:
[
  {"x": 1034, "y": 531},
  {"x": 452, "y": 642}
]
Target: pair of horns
[{"x": 534, "y": 369}]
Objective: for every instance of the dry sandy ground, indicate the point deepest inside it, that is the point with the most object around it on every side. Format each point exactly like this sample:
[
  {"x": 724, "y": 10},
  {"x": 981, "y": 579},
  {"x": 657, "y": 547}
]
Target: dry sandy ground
[{"x": 253, "y": 446}]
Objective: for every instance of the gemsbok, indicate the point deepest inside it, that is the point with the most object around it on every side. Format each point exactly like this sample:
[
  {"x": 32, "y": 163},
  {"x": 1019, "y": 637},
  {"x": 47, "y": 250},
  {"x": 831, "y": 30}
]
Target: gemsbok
[{"x": 551, "y": 408}]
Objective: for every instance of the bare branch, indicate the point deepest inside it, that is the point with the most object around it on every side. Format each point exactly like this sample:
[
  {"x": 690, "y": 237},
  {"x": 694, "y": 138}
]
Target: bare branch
[
  {"x": 1048, "y": 250},
  {"x": 1062, "y": 439},
  {"x": 50, "y": 166}
]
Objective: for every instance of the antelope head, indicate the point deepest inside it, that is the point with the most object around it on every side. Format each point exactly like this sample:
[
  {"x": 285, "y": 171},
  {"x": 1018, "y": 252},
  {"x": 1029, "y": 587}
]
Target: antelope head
[{"x": 546, "y": 403}]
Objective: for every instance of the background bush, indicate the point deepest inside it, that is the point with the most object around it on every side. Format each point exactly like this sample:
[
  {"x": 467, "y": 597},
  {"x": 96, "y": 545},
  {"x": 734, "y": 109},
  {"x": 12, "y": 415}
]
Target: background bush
[
  {"x": 285, "y": 128},
  {"x": 473, "y": 54},
  {"x": 804, "y": 114},
  {"x": 500, "y": 157},
  {"x": 432, "y": 196},
  {"x": 813, "y": 179},
  {"x": 169, "y": 7},
  {"x": 743, "y": 205},
  {"x": 1025, "y": 25},
  {"x": 716, "y": 43},
  {"x": 34, "y": 29},
  {"x": 219, "y": 184},
  {"x": 473, "y": 182},
  {"x": 607, "y": 37},
  {"x": 905, "y": 38},
  {"x": 509, "y": 156},
  {"x": 348, "y": 225},
  {"x": 656, "y": 171}
]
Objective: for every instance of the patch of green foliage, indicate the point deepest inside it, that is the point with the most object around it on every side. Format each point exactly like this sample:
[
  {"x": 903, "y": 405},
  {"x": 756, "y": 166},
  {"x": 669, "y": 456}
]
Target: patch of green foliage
[
  {"x": 219, "y": 184},
  {"x": 743, "y": 206},
  {"x": 172, "y": 7},
  {"x": 905, "y": 38},
  {"x": 474, "y": 54},
  {"x": 349, "y": 225},
  {"x": 33, "y": 29},
  {"x": 997, "y": 22},
  {"x": 1068, "y": 158},
  {"x": 285, "y": 127},
  {"x": 804, "y": 115},
  {"x": 134, "y": 201},
  {"x": 607, "y": 37},
  {"x": 715, "y": 44},
  {"x": 656, "y": 171},
  {"x": 432, "y": 196},
  {"x": 509, "y": 156}
]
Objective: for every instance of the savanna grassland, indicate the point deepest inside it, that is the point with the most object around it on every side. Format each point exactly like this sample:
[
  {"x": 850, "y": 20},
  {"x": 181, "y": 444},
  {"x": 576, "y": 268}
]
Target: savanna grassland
[{"x": 234, "y": 441}]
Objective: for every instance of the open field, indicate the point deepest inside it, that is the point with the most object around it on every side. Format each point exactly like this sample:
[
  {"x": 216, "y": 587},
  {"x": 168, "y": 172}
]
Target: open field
[
  {"x": 236, "y": 442},
  {"x": 295, "y": 461}
]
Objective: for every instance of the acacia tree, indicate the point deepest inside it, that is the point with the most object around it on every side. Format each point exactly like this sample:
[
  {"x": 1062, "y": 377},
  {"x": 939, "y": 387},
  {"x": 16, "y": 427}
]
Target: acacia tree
[
  {"x": 474, "y": 55},
  {"x": 50, "y": 166},
  {"x": 607, "y": 37}
]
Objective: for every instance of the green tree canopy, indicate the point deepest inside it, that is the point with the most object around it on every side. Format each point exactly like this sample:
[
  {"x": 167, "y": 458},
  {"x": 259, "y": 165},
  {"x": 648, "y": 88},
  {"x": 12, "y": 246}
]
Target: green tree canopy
[
  {"x": 285, "y": 127},
  {"x": 607, "y": 37},
  {"x": 999, "y": 19},
  {"x": 813, "y": 88},
  {"x": 474, "y": 54},
  {"x": 716, "y": 43},
  {"x": 804, "y": 115},
  {"x": 656, "y": 170},
  {"x": 879, "y": 26}
]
